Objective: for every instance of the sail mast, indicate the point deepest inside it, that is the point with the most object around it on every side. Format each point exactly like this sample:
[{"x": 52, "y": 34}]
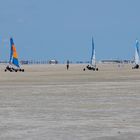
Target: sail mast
[{"x": 11, "y": 51}]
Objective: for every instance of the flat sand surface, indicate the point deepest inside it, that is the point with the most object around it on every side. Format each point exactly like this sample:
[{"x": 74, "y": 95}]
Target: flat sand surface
[{"x": 47, "y": 102}]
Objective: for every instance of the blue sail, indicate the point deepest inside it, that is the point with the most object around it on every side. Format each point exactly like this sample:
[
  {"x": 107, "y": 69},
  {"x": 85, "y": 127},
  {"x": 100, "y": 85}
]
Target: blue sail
[
  {"x": 137, "y": 52},
  {"x": 93, "y": 54}
]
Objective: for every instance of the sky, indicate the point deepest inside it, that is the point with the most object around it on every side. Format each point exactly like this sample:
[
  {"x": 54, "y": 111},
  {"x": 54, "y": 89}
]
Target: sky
[{"x": 63, "y": 29}]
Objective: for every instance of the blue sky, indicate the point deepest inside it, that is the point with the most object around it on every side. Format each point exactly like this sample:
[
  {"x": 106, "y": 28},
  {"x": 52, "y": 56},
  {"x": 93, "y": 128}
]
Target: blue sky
[{"x": 62, "y": 29}]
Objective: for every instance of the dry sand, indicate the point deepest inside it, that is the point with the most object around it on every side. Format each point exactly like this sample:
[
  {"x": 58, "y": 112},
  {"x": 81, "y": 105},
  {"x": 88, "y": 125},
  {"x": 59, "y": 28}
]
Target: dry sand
[{"x": 47, "y": 102}]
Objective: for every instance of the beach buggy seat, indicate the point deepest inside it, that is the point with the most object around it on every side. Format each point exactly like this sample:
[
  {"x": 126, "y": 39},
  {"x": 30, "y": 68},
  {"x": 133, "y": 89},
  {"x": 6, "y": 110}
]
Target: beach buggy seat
[
  {"x": 136, "y": 66},
  {"x": 90, "y": 67},
  {"x": 13, "y": 69},
  {"x": 8, "y": 68}
]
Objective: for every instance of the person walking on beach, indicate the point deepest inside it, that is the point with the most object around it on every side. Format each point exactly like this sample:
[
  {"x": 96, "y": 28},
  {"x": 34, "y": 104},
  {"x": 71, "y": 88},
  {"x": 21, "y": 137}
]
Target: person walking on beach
[{"x": 67, "y": 64}]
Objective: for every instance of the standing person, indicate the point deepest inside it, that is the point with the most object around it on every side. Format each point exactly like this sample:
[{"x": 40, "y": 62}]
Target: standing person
[{"x": 68, "y": 64}]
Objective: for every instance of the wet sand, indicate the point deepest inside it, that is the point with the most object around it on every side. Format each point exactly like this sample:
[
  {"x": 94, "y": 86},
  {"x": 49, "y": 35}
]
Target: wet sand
[{"x": 47, "y": 102}]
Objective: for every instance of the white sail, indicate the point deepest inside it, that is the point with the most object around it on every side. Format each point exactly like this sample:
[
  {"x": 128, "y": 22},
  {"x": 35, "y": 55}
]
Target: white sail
[
  {"x": 137, "y": 53},
  {"x": 93, "y": 59}
]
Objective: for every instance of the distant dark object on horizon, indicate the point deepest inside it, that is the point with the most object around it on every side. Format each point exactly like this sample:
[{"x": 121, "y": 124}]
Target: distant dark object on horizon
[
  {"x": 116, "y": 61},
  {"x": 53, "y": 62},
  {"x": 23, "y": 62}
]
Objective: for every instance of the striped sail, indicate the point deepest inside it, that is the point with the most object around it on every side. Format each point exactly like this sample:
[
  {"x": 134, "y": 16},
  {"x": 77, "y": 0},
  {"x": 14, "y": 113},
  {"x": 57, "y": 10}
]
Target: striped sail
[
  {"x": 137, "y": 52},
  {"x": 13, "y": 54}
]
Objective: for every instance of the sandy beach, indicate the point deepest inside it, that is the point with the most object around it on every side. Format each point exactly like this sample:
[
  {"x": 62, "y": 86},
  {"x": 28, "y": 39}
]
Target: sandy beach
[{"x": 47, "y": 102}]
